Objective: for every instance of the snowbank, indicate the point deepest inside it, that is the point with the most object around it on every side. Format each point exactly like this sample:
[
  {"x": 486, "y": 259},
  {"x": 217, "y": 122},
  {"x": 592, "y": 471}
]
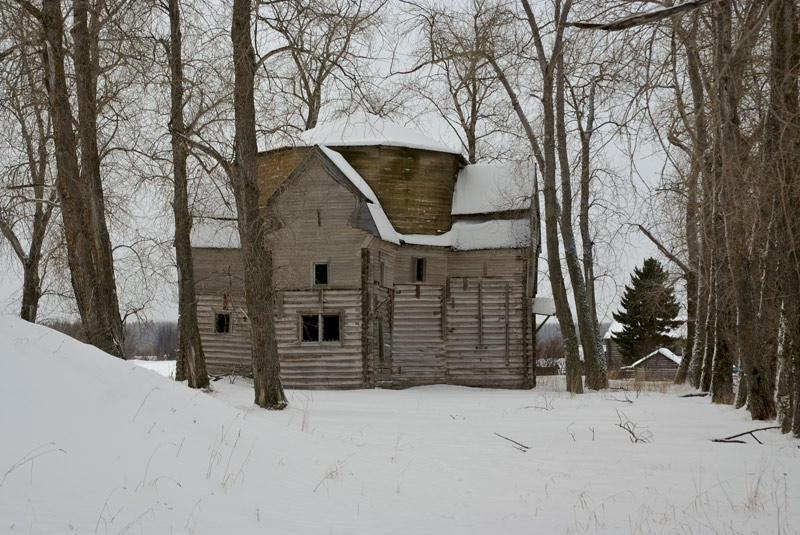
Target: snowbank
[{"x": 93, "y": 444}]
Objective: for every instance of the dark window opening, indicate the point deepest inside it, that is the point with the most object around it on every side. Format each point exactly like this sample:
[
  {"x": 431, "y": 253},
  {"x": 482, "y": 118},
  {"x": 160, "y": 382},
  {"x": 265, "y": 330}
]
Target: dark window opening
[
  {"x": 310, "y": 328},
  {"x": 419, "y": 270},
  {"x": 330, "y": 329},
  {"x": 320, "y": 328},
  {"x": 320, "y": 273},
  {"x": 222, "y": 322}
]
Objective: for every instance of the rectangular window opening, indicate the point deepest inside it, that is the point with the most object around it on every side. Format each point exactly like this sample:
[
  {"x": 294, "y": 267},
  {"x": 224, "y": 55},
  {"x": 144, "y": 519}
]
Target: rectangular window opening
[
  {"x": 320, "y": 273},
  {"x": 222, "y": 322},
  {"x": 310, "y": 328},
  {"x": 330, "y": 328},
  {"x": 419, "y": 270}
]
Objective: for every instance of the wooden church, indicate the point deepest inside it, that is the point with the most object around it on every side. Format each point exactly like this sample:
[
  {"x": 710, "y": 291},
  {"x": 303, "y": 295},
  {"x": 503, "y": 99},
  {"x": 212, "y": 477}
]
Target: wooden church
[{"x": 395, "y": 264}]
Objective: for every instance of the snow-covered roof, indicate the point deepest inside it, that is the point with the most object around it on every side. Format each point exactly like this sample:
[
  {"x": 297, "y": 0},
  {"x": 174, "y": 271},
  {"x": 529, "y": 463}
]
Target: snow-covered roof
[
  {"x": 464, "y": 235},
  {"x": 209, "y": 233},
  {"x": 661, "y": 351},
  {"x": 472, "y": 235},
  {"x": 367, "y": 129},
  {"x": 351, "y": 174},
  {"x": 487, "y": 188},
  {"x": 676, "y": 333}
]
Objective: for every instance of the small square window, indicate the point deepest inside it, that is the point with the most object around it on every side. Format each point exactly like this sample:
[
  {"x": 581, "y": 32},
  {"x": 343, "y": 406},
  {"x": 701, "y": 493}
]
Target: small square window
[
  {"x": 320, "y": 273},
  {"x": 310, "y": 328},
  {"x": 222, "y": 322},
  {"x": 330, "y": 328},
  {"x": 418, "y": 270}
]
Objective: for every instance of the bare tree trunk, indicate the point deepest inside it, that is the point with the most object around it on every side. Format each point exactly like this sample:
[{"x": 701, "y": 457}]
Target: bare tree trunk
[
  {"x": 191, "y": 349},
  {"x": 108, "y": 325},
  {"x": 259, "y": 294},
  {"x": 535, "y": 219},
  {"x": 699, "y": 168},
  {"x": 88, "y": 247},
  {"x": 699, "y": 349},
  {"x": 726, "y": 157},
  {"x": 599, "y": 378},
  {"x": 25, "y": 102}
]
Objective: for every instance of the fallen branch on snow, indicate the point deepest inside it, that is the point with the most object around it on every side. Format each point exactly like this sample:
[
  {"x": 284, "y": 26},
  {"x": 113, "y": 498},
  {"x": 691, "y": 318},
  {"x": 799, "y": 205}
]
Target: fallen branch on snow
[
  {"x": 731, "y": 439},
  {"x": 695, "y": 395}
]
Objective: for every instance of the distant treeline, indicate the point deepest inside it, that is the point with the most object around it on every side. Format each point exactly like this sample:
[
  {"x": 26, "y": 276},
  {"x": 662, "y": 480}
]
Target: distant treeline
[{"x": 153, "y": 339}]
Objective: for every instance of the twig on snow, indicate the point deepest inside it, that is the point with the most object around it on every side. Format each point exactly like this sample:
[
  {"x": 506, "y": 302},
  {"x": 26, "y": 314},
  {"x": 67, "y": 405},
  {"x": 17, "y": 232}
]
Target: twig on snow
[{"x": 521, "y": 447}]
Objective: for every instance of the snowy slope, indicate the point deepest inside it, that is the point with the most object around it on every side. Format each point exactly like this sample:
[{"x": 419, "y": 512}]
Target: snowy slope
[{"x": 96, "y": 445}]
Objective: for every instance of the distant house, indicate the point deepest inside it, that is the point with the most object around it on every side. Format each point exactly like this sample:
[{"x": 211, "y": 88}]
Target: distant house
[
  {"x": 613, "y": 357},
  {"x": 395, "y": 264},
  {"x": 660, "y": 365}
]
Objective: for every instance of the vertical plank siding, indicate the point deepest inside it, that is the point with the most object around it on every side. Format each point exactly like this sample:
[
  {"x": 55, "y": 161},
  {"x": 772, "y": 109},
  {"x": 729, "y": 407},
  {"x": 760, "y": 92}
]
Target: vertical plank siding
[
  {"x": 418, "y": 354},
  {"x": 486, "y": 332}
]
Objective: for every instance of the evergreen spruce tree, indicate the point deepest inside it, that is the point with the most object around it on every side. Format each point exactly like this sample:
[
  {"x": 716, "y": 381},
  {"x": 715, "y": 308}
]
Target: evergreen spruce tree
[{"x": 648, "y": 312}]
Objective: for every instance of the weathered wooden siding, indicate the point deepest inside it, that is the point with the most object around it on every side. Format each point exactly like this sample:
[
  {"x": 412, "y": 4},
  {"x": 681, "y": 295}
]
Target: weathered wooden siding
[
  {"x": 274, "y": 166},
  {"x": 220, "y": 287},
  {"x": 381, "y": 271},
  {"x": 418, "y": 353},
  {"x": 487, "y": 263},
  {"x": 613, "y": 356},
  {"x": 436, "y": 264},
  {"x": 486, "y": 332},
  {"x": 314, "y": 218},
  {"x": 320, "y": 364},
  {"x": 656, "y": 368},
  {"x": 415, "y": 187}
]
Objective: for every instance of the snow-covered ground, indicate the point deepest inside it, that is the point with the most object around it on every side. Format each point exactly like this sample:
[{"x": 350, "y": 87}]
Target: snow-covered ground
[
  {"x": 92, "y": 444},
  {"x": 162, "y": 367}
]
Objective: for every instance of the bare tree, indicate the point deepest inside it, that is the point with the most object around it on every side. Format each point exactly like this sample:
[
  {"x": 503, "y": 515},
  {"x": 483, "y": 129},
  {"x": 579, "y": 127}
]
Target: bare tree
[
  {"x": 259, "y": 293},
  {"x": 326, "y": 41},
  {"x": 30, "y": 198},
  {"x": 545, "y": 153},
  {"x": 192, "y": 358},
  {"x": 78, "y": 179}
]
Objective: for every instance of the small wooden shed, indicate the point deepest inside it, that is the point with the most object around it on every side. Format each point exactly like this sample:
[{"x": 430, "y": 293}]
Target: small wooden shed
[
  {"x": 660, "y": 365},
  {"x": 395, "y": 264}
]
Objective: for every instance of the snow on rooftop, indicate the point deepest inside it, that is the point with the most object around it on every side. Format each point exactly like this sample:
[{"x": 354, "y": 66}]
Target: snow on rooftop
[
  {"x": 662, "y": 351},
  {"x": 463, "y": 236},
  {"x": 367, "y": 129},
  {"x": 473, "y": 235},
  {"x": 351, "y": 174},
  {"x": 487, "y": 188}
]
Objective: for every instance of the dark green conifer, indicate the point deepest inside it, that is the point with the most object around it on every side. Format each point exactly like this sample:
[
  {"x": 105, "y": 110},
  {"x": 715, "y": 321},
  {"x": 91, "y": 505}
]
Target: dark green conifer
[{"x": 648, "y": 312}]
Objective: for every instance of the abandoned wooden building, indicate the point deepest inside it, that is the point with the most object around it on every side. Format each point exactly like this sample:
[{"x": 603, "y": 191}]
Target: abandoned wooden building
[
  {"x": 660, "y": 365},
  {"x": 614, "y": 358},
  {"x": 395, "y": 264}
]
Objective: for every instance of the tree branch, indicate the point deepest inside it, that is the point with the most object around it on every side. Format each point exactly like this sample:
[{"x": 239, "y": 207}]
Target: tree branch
[
  {"x": 642, "y": 18},
  {"x": 664, "y": 250}
]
